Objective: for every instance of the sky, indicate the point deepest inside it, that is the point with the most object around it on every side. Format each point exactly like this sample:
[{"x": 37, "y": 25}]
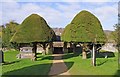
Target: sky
[{"x": 59, "y": 13}]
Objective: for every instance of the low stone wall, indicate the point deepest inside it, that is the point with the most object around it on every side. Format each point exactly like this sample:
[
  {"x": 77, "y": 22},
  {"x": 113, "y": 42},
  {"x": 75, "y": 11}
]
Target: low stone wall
[
  {"x": 109, "y": 47},
  {"x": 25, "y": 55},
  {"x": 26, "y": 52}
]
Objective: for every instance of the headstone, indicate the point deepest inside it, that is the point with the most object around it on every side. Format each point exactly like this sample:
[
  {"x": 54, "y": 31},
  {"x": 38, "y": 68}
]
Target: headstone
[
  {"x": 1, "y": 56},
  {"x": 26, "y": 52}
]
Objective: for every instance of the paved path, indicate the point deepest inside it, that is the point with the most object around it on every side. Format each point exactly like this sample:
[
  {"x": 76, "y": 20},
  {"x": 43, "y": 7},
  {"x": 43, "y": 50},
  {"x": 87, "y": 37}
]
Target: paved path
[{"x": 58, "y": 66}]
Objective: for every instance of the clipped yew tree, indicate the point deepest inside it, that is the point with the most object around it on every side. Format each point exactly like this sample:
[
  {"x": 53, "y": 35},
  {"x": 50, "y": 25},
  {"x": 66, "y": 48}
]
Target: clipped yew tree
[
  {"x": 34, "y": 29},
  {"x": 84, "y": 28}
]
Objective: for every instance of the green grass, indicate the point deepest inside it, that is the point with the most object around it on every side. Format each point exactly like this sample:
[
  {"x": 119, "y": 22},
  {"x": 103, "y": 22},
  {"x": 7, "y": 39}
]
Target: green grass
[
  {"x": 105, "y": 66},
  {"x": 75, "y": 64},
  {"x": 14, "y": 66}
]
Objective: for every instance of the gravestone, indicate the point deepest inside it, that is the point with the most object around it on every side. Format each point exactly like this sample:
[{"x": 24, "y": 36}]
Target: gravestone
[
  {"x": 26, "y": 52},
  {"x": 1, "y": 56}
]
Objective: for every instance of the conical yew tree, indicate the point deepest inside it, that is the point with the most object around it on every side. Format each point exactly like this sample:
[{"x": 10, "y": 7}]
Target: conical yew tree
[
  {"x": 84, "y": 28},
  {"x": 34, "y": 29}
]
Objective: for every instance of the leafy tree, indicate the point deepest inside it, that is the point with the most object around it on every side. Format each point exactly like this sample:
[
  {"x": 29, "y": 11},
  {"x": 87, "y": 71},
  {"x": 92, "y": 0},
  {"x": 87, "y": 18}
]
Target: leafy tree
[
  {"x": 1, "y": 36},
  {"x": 116, "y": 36},
  {"x": 34, "y": 29},
  {"x": 7, "y": 32},
  {"x": 84, "y": 28}
]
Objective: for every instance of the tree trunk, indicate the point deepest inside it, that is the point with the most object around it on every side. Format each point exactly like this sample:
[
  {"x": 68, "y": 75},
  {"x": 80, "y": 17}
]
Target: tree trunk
[
  {"x": 93, "y": 56},
  {"x": 74, "y": 48},
  {"x": 18, "y": 47},
  {"x": 65, "y": 47},
  {"x": 44, "y": 48},
  {"x": 49, "y": 48},
  {"x": 34, "y": 51},
  {"x": 84, "y": 54},
  {"x": 71, "y": 48}
]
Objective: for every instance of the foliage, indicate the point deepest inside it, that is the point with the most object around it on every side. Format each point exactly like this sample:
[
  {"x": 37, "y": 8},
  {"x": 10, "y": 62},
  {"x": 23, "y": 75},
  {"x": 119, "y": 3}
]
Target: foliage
[
  {"x": 85, "y": 27},
  {"x": 114, "y": 36},
  {"x": 117, "y": 37},
  {"x": 1, "y": 31},
  {"x": 1, "y": 36},
  {"x": 33, "y": 29},
  {"x": 7, "y": 32},
  {"x": 116, "y": 33}
]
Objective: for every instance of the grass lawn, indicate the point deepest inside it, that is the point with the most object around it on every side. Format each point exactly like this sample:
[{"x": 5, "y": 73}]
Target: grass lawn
[
  {"x": 14, "y": 66},
  {"x": 78, "y": 66}
]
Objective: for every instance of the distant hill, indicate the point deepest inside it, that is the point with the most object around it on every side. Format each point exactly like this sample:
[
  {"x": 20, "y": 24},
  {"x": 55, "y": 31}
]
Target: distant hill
[
  {"x": 58, "y": 31},
  {"x": 109, "y": 35},
  {"x": 107, "y": 32}
]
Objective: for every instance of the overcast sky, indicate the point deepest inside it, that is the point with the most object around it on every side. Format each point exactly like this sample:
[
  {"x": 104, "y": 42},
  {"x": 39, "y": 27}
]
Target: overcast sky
[{"x": 59, "y": 14}]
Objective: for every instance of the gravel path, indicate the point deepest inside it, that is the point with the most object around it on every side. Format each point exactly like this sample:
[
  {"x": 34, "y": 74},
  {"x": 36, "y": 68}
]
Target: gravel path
[{"x": 58, "y": 66}]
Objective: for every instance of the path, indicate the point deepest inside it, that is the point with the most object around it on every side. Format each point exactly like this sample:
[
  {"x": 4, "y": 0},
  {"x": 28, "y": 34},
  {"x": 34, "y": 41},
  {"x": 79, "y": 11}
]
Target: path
[{"x": 58, "y": 67}]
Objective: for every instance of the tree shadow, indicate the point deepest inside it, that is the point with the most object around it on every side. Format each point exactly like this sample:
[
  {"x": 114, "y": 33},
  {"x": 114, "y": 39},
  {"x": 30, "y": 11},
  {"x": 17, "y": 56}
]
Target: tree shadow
[
  {"x": 88, "y": 54},
  {"x": 60, "y": 70},
  {"x": 40, "y": 69},
  {"x": 117, "y": 74},
  {"x": 43, "y": 57},
  {"x": 50, "y": 57},
  {"x": 39, "y": 55},
  {"x": 69, "y": 64},
  {"x": 46, "y": 58},
  {"x": 35, "y": 70},
  {"x": 67, "y": 56},
  {"x": 78, "y": 49},
  {"x": 64, "y": 56},
  {"x": 8, "y": 63},
  {"x": 101, "y": 63},
  {"x": 106, "y": 54}
]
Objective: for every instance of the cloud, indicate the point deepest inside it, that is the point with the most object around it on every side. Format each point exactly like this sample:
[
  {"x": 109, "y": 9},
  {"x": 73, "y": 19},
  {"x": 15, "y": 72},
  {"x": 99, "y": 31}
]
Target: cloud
[
  {"x": 7, "y": 0},
  {"x": 19, "y": 13},
  {"x": 106, "y": 11},
  {"x": 107, "y": 15},
  {"x": 59, "y": 0},
  {"x": 9, "y": 11},
  {"x": 100, "y": 0}
]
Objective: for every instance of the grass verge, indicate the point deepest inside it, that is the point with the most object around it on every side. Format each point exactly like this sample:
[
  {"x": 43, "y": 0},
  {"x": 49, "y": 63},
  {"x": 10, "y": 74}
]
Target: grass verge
[
  {"x": 14, "y": 66},
  {"x": 105, "y": 66}
]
